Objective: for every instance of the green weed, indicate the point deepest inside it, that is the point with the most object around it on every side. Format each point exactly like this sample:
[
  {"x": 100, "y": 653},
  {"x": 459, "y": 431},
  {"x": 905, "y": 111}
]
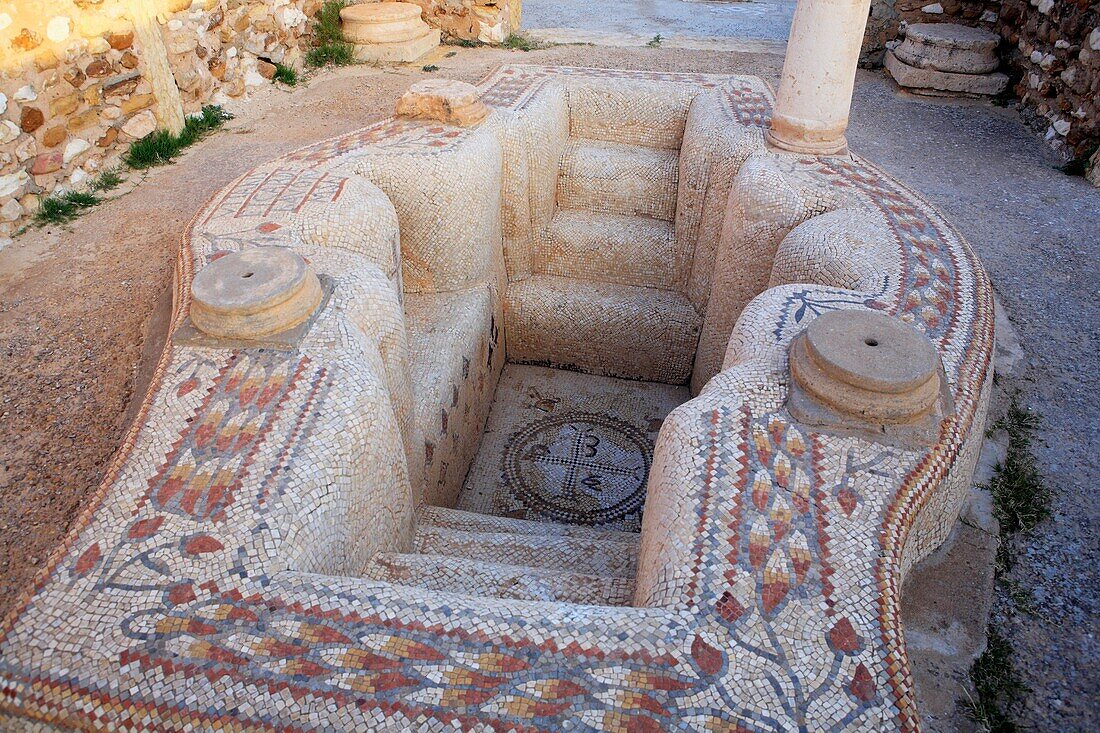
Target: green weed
[
  {"x": 60, "y": 208},
  {"x": 161, "y": 146},
  {"x": 285, "y": 75},
  {"x": 1021, "y": 500},
  {"x": 655, "y": 42},
  {"x": 430, "y": 67},
  {"x": 331, "y": 48},
  {"x": 520, "y": 42},
  {"x": 998, "y": 685}
]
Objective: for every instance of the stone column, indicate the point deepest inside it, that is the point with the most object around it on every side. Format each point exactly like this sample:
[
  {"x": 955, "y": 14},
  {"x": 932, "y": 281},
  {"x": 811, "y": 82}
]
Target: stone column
[
  {"x": 155, "y": 66},
  {"x": 819, "y": 73}
]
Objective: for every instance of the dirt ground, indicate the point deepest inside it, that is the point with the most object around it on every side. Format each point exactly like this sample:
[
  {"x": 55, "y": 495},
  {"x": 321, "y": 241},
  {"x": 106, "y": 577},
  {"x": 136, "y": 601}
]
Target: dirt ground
[{"x": 82, "y": 312}]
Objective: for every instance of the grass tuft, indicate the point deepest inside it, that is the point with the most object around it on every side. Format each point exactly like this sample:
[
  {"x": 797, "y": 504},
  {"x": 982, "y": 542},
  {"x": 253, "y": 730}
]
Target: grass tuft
[
  {"x": 161, "y": 146},
  {"x": 108, "y": 180},
  {"x": 430, "y": 67},
  {"x": 1020, "y": 502},
  {"x": 655, "y": 42},
  {"x": 285, "y": 75},
  {"x": 462, "y": 42},
  {"x": 60, "y": 208},
  {"x": 520, "y": 42},
  {"x": 1020, "y": 498},
  {"x": 997, "y": 684},
  {"x": 331, "y": 48}
]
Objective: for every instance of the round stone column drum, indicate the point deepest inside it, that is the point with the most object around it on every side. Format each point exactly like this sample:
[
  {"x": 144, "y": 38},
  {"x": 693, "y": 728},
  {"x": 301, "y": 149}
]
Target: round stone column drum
[
  {"x": 253, "y": 294},
  {"x": 382, "y": 22},
  {"x": 864, "y": 371}
]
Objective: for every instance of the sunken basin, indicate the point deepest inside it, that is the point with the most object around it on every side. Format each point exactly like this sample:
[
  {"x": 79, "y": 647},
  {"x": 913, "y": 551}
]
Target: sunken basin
[{"x": 594, "y": 413}]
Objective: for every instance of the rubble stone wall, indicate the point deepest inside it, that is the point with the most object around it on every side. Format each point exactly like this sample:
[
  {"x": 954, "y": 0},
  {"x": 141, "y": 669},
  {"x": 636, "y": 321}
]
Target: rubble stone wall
[
  {"x": 1051, "y": 51},
  {"x": 72, "y": 90}
]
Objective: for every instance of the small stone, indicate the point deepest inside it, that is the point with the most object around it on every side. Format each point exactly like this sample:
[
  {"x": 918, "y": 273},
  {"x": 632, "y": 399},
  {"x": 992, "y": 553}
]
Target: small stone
[
  {"x": 137, "y": 102},
  {"x": 1047, "y": 61},
  {"x": 1094, "y": 39},
  {"x": 111, "y": 113},
  {"x": 59, "y": 28},
  {"x": 140, "y": 124},
  {"x": 31, "y": 118},
  {"x": 3, "y": 103},
  {"x": 25, "y": 94},
  {"x": 64, "y": 105},
  {"x": 76, "y": 147},
  {"x": 46, "y": 59},
  {"x": 989, "y": 16},
  {"x": 1061, "y": 44},
  {"x": 108, "y": 137},
  {"x": 47, "y": 163},
  {"x": 98, "y": 46},
  {"x": 83, "y": 120},
  {"x": 11, "y": 210},
  {"x": 217, "y": 69},
  {"x": 1061, "y": 127},
  {"x": 933, "y": 9},
  {"x": 78, "y": 177},
  {"x": 75, "y": 77},
  {"x": 267, "y": 70},
  {"x": 128, "y": 60},
  {"x": 8, "y": 131},
  {"x": 99, "y": 67},
  {"x": 121, "y": 41},
  {"x": 1045, "y": 6},
  {"x": 27, "y": 40},
  {"x": 13, "y": 183},
  {"x": 54, "y": 136},
  {"x": 1036, "y": 56}
]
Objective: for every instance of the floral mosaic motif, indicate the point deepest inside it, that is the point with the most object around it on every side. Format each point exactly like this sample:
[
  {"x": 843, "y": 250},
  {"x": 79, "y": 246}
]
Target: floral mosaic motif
[{"x": 173, "y": 604}]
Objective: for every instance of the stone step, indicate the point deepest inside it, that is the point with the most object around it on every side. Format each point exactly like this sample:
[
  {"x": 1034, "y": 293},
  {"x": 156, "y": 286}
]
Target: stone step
[
  {"x": 616, "y": 178},
  {"x": 449, "y": 574},
  {"x": 602, "y": 328},
  {"x": 629, "y": 250},
  {"x": 545, "y": 552},
  {"x": 456, "y": 519}
]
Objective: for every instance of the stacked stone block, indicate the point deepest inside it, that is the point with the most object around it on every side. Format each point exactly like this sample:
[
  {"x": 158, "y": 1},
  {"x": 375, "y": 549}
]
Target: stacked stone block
[{"x": 947, "y": 59}]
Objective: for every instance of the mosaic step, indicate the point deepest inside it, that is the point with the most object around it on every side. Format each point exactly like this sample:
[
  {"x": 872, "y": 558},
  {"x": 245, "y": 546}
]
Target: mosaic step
[
  {"x": 437, "y": 516},
  {"x": 628, "y": 250},
  {"x": 587, "y": 556},
  {"x": 446, "y": 574},
  {"x": 589, "y": 326},
  {"x": 617, "y": 178}
]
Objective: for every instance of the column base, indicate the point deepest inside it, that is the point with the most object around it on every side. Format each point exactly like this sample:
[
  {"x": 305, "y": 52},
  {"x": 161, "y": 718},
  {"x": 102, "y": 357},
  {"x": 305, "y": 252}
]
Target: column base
[{"x": 836, "y": 146}]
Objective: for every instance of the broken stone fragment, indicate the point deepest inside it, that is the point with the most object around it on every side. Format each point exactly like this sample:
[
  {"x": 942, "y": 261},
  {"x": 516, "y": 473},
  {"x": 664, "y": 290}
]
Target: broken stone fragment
[{"x": 449, "y": 101}]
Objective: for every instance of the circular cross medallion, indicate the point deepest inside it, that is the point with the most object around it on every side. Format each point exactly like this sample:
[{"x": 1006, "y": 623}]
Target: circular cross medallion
[{"x": 579, "y": 467}]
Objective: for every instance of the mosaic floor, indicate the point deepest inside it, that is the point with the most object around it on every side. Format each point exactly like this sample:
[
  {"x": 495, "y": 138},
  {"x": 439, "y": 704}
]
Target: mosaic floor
[{"x": 568, "y": 447}]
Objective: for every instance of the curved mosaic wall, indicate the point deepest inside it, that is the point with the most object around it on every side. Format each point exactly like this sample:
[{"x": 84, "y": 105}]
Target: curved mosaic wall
[{"x": 215, "y": 580}]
